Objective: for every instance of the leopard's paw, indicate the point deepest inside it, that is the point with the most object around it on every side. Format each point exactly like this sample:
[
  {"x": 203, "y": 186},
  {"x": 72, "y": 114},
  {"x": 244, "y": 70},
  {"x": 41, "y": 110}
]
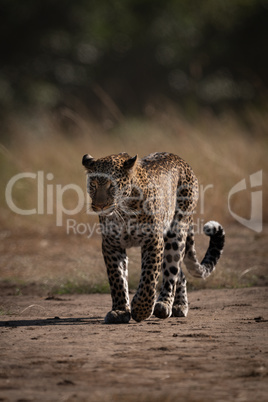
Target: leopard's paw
[
  {"x": 117, "y": 317},
  {"x": 180, "y": 310},
  {"x": 162, "y": 310}
]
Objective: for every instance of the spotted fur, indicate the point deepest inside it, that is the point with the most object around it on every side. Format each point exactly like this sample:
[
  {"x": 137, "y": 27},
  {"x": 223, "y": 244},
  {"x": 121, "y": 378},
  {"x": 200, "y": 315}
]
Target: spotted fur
[{"x": 149, "y": 203}]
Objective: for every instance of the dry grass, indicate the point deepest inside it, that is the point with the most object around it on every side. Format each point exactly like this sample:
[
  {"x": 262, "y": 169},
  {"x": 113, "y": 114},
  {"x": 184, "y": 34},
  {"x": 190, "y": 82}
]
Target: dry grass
[{"x": 221, "y": 150}]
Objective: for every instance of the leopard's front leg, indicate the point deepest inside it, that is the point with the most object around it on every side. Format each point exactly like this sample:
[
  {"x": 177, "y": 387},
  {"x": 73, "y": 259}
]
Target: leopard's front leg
[
  {"x": 143, "y": 302},
  {"x": 116, "y": 263}
]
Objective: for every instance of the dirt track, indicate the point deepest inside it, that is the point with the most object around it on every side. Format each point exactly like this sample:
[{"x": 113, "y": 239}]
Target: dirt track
[{"x": 59, "y": 349}]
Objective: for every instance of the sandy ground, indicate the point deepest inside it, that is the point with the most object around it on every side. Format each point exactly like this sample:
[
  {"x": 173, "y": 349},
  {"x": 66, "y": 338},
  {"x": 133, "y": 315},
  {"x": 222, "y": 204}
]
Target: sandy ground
[{"x": 59, "y": 349}]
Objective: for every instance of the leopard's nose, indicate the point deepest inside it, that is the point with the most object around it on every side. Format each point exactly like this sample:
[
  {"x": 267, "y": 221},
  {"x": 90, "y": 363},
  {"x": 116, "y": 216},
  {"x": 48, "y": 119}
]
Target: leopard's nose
[{"x": 100, "y": 206}]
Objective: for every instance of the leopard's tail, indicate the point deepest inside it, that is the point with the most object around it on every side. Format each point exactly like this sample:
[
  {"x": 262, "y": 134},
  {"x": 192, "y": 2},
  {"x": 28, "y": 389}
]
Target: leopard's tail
[{"x": 217, "y": 236}]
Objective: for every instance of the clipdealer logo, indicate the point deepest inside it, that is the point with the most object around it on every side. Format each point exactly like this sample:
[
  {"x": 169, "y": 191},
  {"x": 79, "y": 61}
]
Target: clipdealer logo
[
  {"x": 50, "y": 200},
  {"x": 255, "y": 222},
  {"x": 45, "y": 196}
]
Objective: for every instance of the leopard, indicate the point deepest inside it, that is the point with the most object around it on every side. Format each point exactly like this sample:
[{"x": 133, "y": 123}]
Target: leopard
[{"x": 149, "y": 203}]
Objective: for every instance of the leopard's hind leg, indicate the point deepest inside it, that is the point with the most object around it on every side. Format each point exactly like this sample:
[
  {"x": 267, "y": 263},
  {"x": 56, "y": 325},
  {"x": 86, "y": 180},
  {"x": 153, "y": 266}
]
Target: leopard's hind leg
[
  {"x": 172, "y": 274},
  {"x": 180, "y": 306}
]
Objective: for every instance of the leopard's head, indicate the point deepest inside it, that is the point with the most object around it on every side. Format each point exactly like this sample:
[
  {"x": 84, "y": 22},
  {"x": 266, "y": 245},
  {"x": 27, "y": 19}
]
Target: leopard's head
[{"x": 109, "y": 181}]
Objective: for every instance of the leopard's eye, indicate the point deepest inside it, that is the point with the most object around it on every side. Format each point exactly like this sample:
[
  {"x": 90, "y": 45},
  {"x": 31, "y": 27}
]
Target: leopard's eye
[
  {"x": 93, "y": 185},
  {"x": 110, "y": 185}
]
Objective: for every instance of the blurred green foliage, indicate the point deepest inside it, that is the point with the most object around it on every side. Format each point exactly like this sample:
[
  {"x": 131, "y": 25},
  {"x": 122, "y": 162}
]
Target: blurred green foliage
[{"x": 211, "y": 52}]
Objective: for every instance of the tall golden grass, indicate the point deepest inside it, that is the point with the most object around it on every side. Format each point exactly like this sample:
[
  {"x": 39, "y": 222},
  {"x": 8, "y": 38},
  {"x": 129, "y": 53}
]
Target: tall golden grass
[{"x": 221, "y": 150}]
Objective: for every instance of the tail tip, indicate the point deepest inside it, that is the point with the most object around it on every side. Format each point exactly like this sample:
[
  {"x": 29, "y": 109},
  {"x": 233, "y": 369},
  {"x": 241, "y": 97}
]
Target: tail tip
[{"x": 212, "y": 227}]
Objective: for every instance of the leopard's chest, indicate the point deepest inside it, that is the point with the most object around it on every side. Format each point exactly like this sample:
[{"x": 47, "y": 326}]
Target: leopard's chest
[
  {"x": 131, "y": 237},
  {"x": 127, "y": 234}
]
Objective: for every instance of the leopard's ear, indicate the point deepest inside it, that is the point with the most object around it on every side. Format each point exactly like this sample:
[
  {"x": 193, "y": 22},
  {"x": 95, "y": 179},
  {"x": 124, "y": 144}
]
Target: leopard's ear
[
  {"x": 87, "y": 160},
  {"x": 130, "y": 163}
]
